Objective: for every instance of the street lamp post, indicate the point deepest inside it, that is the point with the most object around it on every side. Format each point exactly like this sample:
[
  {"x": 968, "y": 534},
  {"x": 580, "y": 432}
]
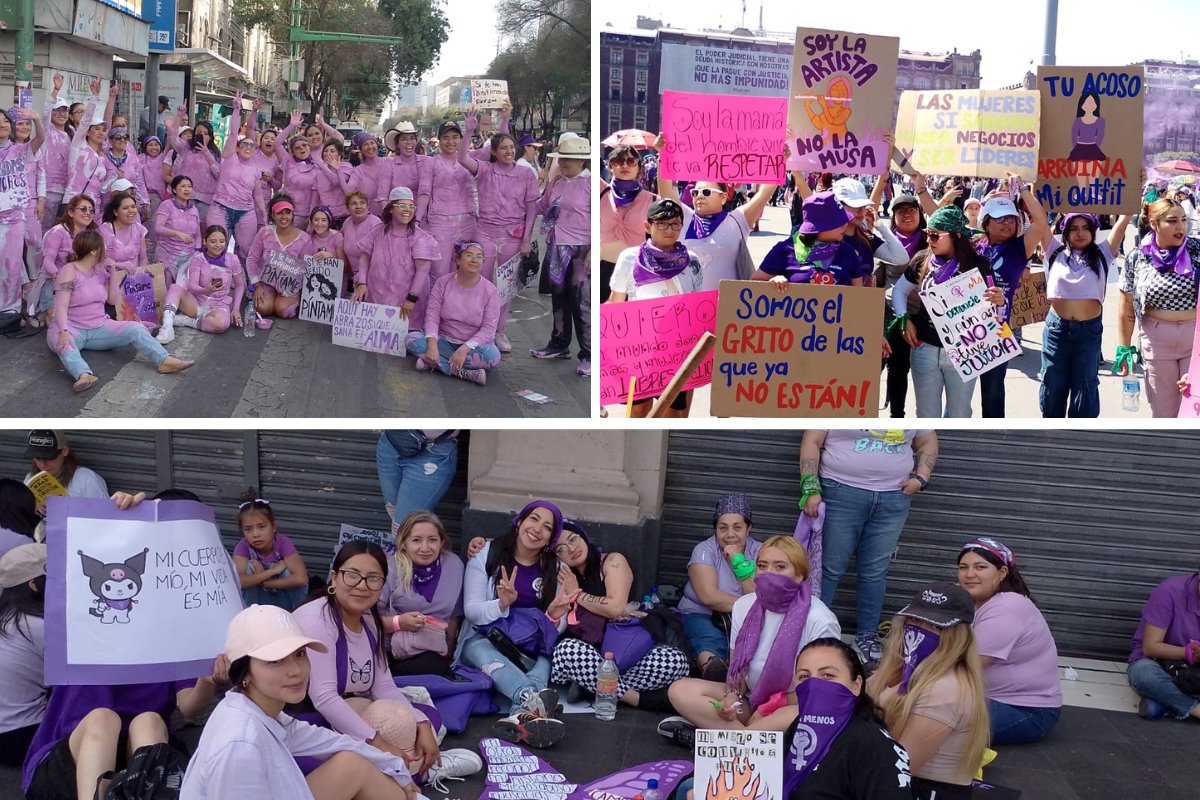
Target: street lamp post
[{"x": 1049, "y": 44}]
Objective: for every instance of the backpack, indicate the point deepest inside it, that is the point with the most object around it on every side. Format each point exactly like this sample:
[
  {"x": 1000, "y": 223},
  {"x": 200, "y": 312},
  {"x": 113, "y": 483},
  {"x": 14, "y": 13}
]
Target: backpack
[{"x": 155, "y": 772}]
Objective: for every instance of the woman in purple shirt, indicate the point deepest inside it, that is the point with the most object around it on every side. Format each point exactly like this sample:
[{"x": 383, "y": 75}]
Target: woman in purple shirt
[
  {"x": 445, "y": 200},
  {"x": 199, "y": 159},
  {"x": 86, "y": 169},
  {"x": 177, "y": 223},
  {"x": 1167, "y": 644},
  {"x": 373, "y": 174},
  {"x": 58, "y": 152},
  {"x": 78, "y": 214},
  {"x": 233, "y": 200},
  {"x": 281, "y": 236},
  {"x": 333, "y": 180},
  {"x": 300, "y": 173},
  {"x": 394, "y": 267}
]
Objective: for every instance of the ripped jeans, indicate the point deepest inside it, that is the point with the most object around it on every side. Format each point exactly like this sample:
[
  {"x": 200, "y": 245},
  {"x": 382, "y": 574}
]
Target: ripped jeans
[
  {"x": 416, "y": 483},
  {"x": 507, "y": 677}
]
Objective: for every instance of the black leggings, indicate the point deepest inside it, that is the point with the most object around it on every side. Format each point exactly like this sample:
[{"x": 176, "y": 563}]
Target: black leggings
[
  {"x": 898, "y": 365},
  {"x": 14, "y": 745},
  {"x": 422, "y": 664}
]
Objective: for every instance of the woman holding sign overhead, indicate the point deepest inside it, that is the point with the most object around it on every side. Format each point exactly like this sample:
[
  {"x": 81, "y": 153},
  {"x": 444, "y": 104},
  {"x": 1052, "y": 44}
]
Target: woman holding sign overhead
[{"x": 278, "y": 237}]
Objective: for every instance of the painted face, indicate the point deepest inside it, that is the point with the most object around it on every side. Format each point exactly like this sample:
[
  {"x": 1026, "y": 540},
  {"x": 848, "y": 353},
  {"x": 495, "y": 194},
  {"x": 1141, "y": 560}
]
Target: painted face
[
  {"x": 535, "y": 530},
  {"x": 369, "y": 148},
  {"x": 906, "y": 218},
  {"x": 284, "y": 681},
  {"x": 127, "y": 212},
  {"x": 1079, "y": 234},
  {"x": 214, "y": 244},
  {"x": 772, "y": 559},
  {"x": 707, "y": 197},
  {"x": 980, "y": 577},
  {"x": 449, "y": 142},
  {"x": 424, "y": 544},
  {"x": 827, "y": 664},
  {"x": 408, "y": 143},
  {"x": 572, "y": 550},
  {"x": 1089, "y": 105},
  {"x": 81, "y": 216},
  {"x": 1171, "y": 228},
  {"x": 470, "y": 261},
  {"x": 183, "y": 192},
  {"x": 319, "y": 223},
  {"x": 53, "y": 465},
  {"x": 152, "y": 148},
  {"x": 357, "y": 208},
  {"x": 506, "y": 153},
  {"x": 665, "y": 233},
  {"x": 366, "y": 571},
  {"x": 732, "y": 529},
  {"x": 257, "y": 528}
]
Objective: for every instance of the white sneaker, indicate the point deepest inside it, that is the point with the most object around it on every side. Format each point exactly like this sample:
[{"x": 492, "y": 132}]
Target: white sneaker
[
  {"x": 455, "y": 765},
  {"x": 184, "y": 321},
  {"x": 166, "y": 334}
]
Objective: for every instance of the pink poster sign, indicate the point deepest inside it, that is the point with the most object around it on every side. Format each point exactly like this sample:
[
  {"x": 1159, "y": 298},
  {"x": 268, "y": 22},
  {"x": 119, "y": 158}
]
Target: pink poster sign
[
  {"x": 720, "y": 137},
  {"x": 1189, "y": 408}
]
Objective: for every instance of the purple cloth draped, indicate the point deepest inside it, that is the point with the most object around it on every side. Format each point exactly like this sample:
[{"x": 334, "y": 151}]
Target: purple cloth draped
[
  {"x": 919, "y": 645},
  {"x": 824, "y": 710},
  {"x": 654, "y": 264}
]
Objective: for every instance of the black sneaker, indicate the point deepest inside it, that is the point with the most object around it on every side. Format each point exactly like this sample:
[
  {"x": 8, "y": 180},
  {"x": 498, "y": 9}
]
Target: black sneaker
[
  {"x": 528, "y": 728},
  {"x": 576, "y": 693},
  {"x": 548, "y": 698},
  {"x": 679, "y": 731}
]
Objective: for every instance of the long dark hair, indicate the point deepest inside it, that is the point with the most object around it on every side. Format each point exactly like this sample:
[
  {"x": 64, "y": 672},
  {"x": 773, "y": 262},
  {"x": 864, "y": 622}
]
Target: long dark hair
[
  {"x": 502, "y": 553},
  {"x": 865, "y": 707},
  {"x": 1012, "y": 582},
  {"x": 114, "y": 205},
  {"x": 348, "y": 551},
  {"x": 1083, "y": 99},
  {"x": 964, "y": 251},
  {"x": 1095, "y": 258},
  {"x": 17, "y": 602},
  {"x": 18, "y": 507},
  {"x": 212, "y": 145},
  {"x": 591, "y": 578},
  {"x": 498, "y": 140}
]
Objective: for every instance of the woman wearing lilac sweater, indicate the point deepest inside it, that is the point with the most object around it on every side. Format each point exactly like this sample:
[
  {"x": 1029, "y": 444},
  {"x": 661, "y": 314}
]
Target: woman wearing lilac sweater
[
  {"x": 300, "y": 172},
  {"x": 233, "y": 201},
  {"x": 57, "y": 153},
  {"x": 373, "y": 175},
  {"x": 333, "y": 181},
  {"x": 198, "y": 159},
  {"x": 394, "y": 267},
  {"x": 446, "y": 200}
]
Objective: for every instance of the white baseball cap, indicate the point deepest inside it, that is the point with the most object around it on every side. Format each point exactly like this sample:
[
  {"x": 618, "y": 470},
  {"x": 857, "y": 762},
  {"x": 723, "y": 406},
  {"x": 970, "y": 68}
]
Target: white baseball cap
[
  {"x": 268, "y": 633},
  {"x": 851, "y": 192},
  {"x": 1000, "y": 207},
  {"x": 400, "y": 193}
]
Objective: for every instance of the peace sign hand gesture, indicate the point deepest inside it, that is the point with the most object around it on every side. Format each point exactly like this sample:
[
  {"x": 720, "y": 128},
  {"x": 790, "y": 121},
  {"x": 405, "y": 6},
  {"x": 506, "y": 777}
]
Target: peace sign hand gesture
[{"x": 506, "y": 590}]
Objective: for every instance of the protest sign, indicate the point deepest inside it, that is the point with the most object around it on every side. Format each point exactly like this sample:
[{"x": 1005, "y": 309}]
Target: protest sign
[
  {"x": 739, "y": 763},
  {"x": 385, "y": 540},
  {"x": 726, "y": 138},
  {"x": 723, "y": 70},
  {"x": 970, "y": 132},
  {"x": 974, "y": 338},
  {"x": 1189, "y": 407},
  {"x": 508, "y": 279},
  {"x": 648, "y": 340},
  {"x": 1090, "y": 153},
  {"x": 489, "y": 93},
  {"x": 45, "y": 485},
  {"x": 1029, "y": 303},
  {"x": 322, "y": 287},
  {"x": 370, "y": 327},
  {"x": 142, "y": 295},
  {"x": 137, "y": 596},
  {"x": 283, "y": 272},
  {"x": 811, "y": 352},
  {"x": 840, "y": 106}
]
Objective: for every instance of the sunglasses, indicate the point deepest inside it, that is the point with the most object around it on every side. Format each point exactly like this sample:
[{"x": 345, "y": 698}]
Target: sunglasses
[
  {"x": 705, "y": 192},
  {"x": 1008, "y": 220},
  {"x": 628, "y": 161},
  {"x": 933, "y": 235},
  {"x": 119, "y": 138}
]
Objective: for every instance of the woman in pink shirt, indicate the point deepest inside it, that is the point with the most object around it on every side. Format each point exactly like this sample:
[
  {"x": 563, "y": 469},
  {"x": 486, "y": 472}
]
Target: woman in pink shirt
[
  {"x": 198, "y": 159},
  {"x": 79, "y": 214},
  {"x": 81, "y": 289},
  {"x": 214, "y": 294},
  {"x": 233, "y": 201},
  {"x": 177, "y": 223},
  {"x": 300, "y": 173},
  {"x": 272, "y": 174},
  {"x": 623, "y": 208},
  {"x": 324, "y": 241},
  {"x": 14, "y": 199},
  {"x": 86, "y": 170},
  {"x": 57, "y": 153},
  {"x": 357, "y": 227},
  {"x": 407, "y": 166},
  {"x": 460, "y": 323},
  {"x": 394, "y": 268},
  {"x": 508, "y": 195},
  {"x": 280, "y": 236},
  {"x": 333, "y": 181},
  {"x": 35, "y": 205},
  {"x": 124, "y": 238},
  {"x": 373, "y": 175},
  {"x": 153, "y": 156},
  {"x": 121, "y": 163},
  {"x": 445, "y": 200}
]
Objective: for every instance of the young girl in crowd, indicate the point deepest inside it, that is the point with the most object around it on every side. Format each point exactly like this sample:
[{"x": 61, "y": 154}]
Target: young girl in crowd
[
  {"x": 177, "y": 223},
  {"x": 930, "y": 687},
  {"x": 22, "y": 648},
  {"x": 422, "y": 602},
  {"x": 215, "y": 291},
  {"x": 270, "y": 569},
  {"x": 280, "y": 236},
  {"x": 396, "y": 257}
]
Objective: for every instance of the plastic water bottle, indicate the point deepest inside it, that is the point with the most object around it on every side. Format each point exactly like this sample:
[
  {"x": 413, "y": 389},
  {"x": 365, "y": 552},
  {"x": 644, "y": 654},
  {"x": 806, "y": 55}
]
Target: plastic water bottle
[
  {"x": 651, "y": 792},
  {"x": 654, "y": 598},
  {"x": 1131, "y": 393},
  {"x": 248, "y": 319},
  {"x": 647, "y": 603},
  {"x": 606, "y": 689}
]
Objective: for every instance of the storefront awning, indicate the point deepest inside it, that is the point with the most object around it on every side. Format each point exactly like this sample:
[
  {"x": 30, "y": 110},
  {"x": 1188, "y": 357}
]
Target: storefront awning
[{"x": 206, "y": 65}]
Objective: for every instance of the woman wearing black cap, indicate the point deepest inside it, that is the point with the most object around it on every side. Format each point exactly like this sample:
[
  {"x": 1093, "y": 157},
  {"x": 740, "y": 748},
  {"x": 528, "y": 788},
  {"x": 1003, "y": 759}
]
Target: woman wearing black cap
[
  {"x": 930, "y": 687},
  {"x": 51, "y": 453}
]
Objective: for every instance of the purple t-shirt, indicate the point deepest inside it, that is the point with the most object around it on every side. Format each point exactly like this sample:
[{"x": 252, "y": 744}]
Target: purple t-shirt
[
  {"x": 1174, "y": 605},
  {"x": 1009, "y": 629},
  {"x": 709, "y": 552},
  {"x": 1008, "y": 261},
  {"x": 282, "y": 549},
  {"x": 529, "y": 586},
  {"x": 875, "y": 460}
]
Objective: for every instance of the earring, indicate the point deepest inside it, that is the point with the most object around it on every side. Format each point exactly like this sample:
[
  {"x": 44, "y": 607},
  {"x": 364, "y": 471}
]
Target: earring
[{"x": 329, "y": 590}]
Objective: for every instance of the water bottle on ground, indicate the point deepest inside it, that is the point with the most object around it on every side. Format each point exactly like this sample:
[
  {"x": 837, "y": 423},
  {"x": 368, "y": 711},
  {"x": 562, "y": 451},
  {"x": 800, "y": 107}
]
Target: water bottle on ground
[
  {"x": 654, "y": 598},
  {"x": 248, "y": 319},
  {"x": 606, "y": 689},
  {"x": 647, "y": 603},
  {"x": 651, "y": 792},
  {"x": 1131, "y": 393}
]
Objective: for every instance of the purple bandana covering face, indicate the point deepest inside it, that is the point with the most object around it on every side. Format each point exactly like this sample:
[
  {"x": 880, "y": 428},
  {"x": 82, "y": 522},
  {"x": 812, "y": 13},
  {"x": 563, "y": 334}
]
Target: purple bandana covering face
[
  {"x": 782, "y": 595},
  {"x": 425, "y": 579},
  {"x": 825, "y": 708},
  {"x": 1172, "y": 258},
  {"x": 653, "y": 264},
  {"x": 911, "y": 241},
  {"x": 919, "y": 644},
  {"x": 945, "y": 269},
  {"x": 703, "y": 226},
  {"x": 625, "y": 192},
  {"x": 806, "y": 261}
]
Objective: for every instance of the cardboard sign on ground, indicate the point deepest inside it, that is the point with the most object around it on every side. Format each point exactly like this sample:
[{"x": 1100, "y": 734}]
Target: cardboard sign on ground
[
  {"x": 370, "y": 327},
  {"x": 812, "y": 351},
  {"x": 725, "y": 138},
  {"x": 1029, "y": 305},
  {"x": 970, "y": 132},
  {"x": 1090, "y": 154},
  {"x": 840, "y": 108},
  {"x": 975, "y": 340}
]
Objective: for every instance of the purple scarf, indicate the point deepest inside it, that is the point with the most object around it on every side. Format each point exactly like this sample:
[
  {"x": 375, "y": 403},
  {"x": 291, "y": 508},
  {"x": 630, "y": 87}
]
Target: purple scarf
[
  {"x": 625, "y": 192},
  {"x": 911, "y": 241},
  {"x": 782, "y": 595},
  {"x": 945, "y": 269},
  {"x": 703, "y": 226},
  {"x": 118, "y": 162},
  {"x": 182, "y": 206},
  {"x": 119, "y": 605},
  {"x": 653, "y": 264},
  {"x": 1172, "y": 258},
  {"x": 425, "y": 579},
  {"x": 218, "y": 261},
  {"x": 825, "y": 708},
  {"x": 805, "y": 260},
  {"x": 919, "y": 645}
]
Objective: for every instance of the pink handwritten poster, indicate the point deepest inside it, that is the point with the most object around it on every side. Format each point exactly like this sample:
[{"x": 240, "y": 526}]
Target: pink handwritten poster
[
  {"x": 726, "y": 138},
  {"x": 1189, "y": 408}
]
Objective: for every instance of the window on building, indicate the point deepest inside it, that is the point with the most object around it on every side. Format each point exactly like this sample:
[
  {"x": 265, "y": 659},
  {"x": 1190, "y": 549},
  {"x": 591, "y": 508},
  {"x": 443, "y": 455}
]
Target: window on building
[
  {"x": 614, "y": 93},
  {"x": 616, "y": 56},
  {"x": 615, "y": 73},
  {"x": 964, "y": 85},
  {"x": 640, "y": 93},
  {"x": 614, "y": 118},
  {"x": 643, "y": 58},
  {"x": 641, "y": 76},
  {"x": 639, "y": 116},
  {"x": 921, "y": 82}
]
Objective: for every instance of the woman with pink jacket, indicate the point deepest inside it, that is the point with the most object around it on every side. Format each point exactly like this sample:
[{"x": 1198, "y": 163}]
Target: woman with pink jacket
[
  {"x": 199, "y": 159},
  {"x": 56, "y": 153},
  {"x": 373, "y": 175},
  {"x": 333, "y": 181},
  {"x": 233, "y": 201}
]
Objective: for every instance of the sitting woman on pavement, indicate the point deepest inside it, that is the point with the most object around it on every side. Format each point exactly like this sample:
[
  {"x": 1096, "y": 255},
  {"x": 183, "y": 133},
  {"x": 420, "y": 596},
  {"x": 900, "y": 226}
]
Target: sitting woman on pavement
[
  {"x": 1165, "y": 647},
  {"x": 1019, "y": 657}
]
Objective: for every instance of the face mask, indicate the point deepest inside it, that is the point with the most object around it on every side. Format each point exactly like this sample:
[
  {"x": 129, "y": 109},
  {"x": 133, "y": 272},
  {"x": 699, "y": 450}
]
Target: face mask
[
  {"x": 824, "y": 709},
  {"x": 919, "y": 644}
]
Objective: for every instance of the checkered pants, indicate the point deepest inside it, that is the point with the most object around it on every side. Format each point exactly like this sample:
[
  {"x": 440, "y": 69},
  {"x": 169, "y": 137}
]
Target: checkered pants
[{"x": 576, "y": 660}]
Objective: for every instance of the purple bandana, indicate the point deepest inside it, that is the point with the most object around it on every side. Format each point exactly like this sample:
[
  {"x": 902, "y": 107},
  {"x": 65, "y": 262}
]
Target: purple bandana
[
  {"x": 216, "y": 261},
  {"x": 945, "y": 269},
  {"x": 703, "y": 225},
  {"x": 805, "y": 261},
  {"x": 653, "y": 264},
  {"x": 1172, "y": 258},
  {"x": 911, "y": 241},
  {"x": 425, "y": 579},
  {"x": 625, "y": 192},
  {"x": 119, "y": 605},
  {"x": 118, "y": 162},
  {"x": 825, "y": 708},
  {"x": 919, "y": 644},
  {"x": 181, "y": 206},
  {"x": 782, "y": 595}
]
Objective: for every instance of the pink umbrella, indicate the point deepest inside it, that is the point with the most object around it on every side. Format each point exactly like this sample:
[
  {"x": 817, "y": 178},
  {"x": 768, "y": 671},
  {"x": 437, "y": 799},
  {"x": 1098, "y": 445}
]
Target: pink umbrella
[
  {"x": 632, "y": 137},
  {"x": 1176, "y": 167}
]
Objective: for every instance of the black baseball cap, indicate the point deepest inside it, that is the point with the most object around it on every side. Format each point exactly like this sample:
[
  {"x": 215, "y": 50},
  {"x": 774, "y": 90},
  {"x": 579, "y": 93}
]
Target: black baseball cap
[
  {"x": 664, "y": 208},
  {"x": 941, "y": 605},
  {"x": 906, "y": 200},
  {"x": 45, "y": 444},
  {"x": 447, "y": 126}
]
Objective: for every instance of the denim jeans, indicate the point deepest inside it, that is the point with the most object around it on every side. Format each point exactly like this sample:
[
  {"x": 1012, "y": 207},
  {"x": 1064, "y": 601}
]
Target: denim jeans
[
  {"x": 865, "y": 524},
  {"x": 417, "y": 483},
  {"x": 704, "y": 636},
  {"x": 933, "y": 373},
  {"x": 1070, "y": 358},
  {"x": 508, "y": 678},
  {"x": 288, "y": 599},
  {"x": 486, "y": 356},
  {"x": 1020, "y": 724},
  {"x": 110, "y": 336},
  {"x": 1149, "y": 679},
  {"x": 991, "y": 391}
]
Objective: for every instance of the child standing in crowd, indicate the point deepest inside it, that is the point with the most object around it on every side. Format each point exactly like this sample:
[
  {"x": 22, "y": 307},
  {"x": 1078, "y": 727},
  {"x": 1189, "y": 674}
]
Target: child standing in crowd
[{"x": 270, "y": 569}]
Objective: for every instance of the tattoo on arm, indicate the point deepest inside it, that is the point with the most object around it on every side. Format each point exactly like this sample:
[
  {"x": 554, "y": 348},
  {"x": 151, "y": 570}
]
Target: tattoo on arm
[
  {"x": 926, "y": 459},
  {"x": 808, "y": 465},
  {"x": 595, "y": 600}
]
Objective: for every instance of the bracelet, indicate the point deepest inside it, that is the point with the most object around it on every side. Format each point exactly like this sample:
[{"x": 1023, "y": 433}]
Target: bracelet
[
  {"x": 412, "y": 298},
  {"x": 552, "y": 618},
  {"x": 897, "y": 321},
  {"x": 914, "y": 476},
  {"x": 743, "y": 568},
  {"x": 810, "y": 484},
  {"x": 1189, "y": 652},
  {"x": 396, "y": 623},
  {"x": 924, "y": 190},
  {"x": 1127, "y": 355}
]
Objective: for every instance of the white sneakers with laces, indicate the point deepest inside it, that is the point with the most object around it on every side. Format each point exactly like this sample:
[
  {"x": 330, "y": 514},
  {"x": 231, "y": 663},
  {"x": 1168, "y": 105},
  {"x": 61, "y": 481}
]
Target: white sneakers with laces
[{"x": 455, "y": 765}]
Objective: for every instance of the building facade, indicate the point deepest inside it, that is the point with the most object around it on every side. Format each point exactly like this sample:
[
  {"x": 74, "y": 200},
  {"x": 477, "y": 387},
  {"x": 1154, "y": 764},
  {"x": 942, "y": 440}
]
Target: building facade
[{"x": 1172, "y": 109}]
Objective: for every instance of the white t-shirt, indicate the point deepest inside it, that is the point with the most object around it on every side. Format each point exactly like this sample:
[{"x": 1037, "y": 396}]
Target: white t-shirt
[
  {"x": 690, "y": 280},
  {"x": 1067, "y": 280},
  {"x": 84, "y": 483},
  {"x": 718, "y": 251},
  {"x": 821, "y": 622}
]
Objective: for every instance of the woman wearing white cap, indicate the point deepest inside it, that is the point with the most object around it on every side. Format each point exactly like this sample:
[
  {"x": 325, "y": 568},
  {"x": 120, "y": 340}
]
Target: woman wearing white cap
[
  {"x": 57, "y": 152},
  {"x": 23, "y": 692},
  {"x": 249, "y": 745},
  {"x": 86, "y": 170},
  {"x": 394, "y": 267}
]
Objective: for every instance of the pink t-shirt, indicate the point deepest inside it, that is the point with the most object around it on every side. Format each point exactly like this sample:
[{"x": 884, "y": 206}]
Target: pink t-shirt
[
  {"x": 329, "y": 243},
  {"x": 332, "y": 187},
  {"x": 200, "y": 275},
  {"x": 505, "y": 194},
  {"x": 57, "y": 152},
  {"x": 709, "y": 553},
  {"x": 200, "y": 165},
  {"x": 388, "y": 265},
  {"x": 282, "y": 548},
  {"x": 124, "y": 248},
  {"x": 467, "y": 316},
  {"x": 574, "y": 201},
  {"x": 265, "y": 241},
  {"x": 170, "y": 217},
  {"x": 407, "y": 172},
  {"x": 131, "y": 169},
  {"x": 625, "y": 225},
  {"x": 354, "y": 235},
  {"x": 152, "y": 174},
  {"x": 1010, "y": 629},
  {"x": 236, "y": 184},
  {"x": 371, "y": 177},
  {"x": 56, "y": 246},
  {"x": 85, "y": 308},
  {"x": 448, "y": 185},
  {"x": 300, "y": 181},
  {"x": 875, "y": 460}
]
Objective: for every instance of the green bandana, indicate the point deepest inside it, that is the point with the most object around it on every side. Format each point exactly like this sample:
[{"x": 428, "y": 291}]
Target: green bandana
[{"x": 950, "y": 220}]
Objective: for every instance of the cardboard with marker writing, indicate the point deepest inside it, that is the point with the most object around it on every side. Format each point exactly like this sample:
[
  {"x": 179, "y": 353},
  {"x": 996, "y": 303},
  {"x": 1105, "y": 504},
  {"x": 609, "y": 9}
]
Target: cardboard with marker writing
[
  {"x": 724, "y": 138},
  {"x": 1029, "y": 305},
  {"x": 970, "y": 132}
]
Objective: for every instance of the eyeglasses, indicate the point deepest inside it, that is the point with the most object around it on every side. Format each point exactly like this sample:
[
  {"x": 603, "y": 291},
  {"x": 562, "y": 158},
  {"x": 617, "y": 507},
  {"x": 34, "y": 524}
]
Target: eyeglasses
[
  {"x": 85, "y": 210},
  {"x": 668, "y": 226},
  {"x": 628, "y": 161},
  {"x": 933, "y": 235},
  {"x": 352, "y": 579},
  {"x": 705, "y": 192},
  {"x": 569, "y": 541},
  {"x": 406, "y": 207},
  {"x": 119, "y": 138},
  {"x": 1008, "y": 220}
]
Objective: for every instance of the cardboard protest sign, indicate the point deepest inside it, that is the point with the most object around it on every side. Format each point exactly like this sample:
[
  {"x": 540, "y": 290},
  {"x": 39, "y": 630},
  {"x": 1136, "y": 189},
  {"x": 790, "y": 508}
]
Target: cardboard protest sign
[
  {"x": 726, "y": 138},
  {"x": 723, "y": 70},
  {"x": 974, "y": 338},
  {"x": 1029, "y": 303},
  {"x": 649, "y": 339},
  {"x": 1189, "y": 407},
  {"x": 811, "y": 352},
  {"x": 508, "y": 279},
  {"x": 137, "y": 596},
  {"x": 840, "y": 107},
  {"x": 283, "y": 272},
  {"x": 743, "y": 763},
  {"x": 489, "y": 93},
  {"x": 323, "y": 279},
  {"x": 45, "y": 485},
  {"x": 370, "y": 327},
  {"x": 970, "y": 132},
  {"x": 386, "y": 540},
  {"x": 1090, "y": 153},
  {"x": 142, "y": 295}
]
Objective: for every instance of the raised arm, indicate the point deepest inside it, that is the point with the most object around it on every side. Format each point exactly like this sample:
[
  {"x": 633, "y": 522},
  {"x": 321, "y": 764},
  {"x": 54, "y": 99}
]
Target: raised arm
[
  {"x": 293, "y": 123},
  {"x": 330, "y": 131},
  {"x": 1039, "y": 225},
  {"x": 1117, "y": 234},
  {"x": 88, "y": 111},
  {"x": 928, "y": 205},
  {"x": 112, "y": 102},
  {"x": 235, "y": 124},
  {"x": 464, "y": 156},
  {"x": 39, "y": 133}
]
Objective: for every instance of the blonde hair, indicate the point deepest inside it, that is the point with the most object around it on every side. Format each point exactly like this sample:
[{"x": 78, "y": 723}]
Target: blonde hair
[
  {"x": 794, "y": 551},
  {"x": 404, "y": 567},
  {"x": 955, "y": 654},
  {"x": 1160, "y": 208}
]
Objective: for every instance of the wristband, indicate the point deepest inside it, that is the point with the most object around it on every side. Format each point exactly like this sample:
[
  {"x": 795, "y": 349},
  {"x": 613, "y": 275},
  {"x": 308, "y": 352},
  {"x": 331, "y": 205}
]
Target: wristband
[
  {"x": 412, "y": 298},
  {"x": 1189, "y": 652},
  {"x": 897, "y": 321},
  {"x": 810, "y": 484},
  {"x": 1127, "y": 355},
  {"x": 396, "y": 623},
  {"x": 919, "y": 480},
  {"x": 743, "y": 568}
]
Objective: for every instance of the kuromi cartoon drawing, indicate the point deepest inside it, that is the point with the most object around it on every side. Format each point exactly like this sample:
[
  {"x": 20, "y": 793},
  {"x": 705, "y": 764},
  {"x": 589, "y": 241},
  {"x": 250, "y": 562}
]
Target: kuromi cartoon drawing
[{"x": 114, "y": 586}]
